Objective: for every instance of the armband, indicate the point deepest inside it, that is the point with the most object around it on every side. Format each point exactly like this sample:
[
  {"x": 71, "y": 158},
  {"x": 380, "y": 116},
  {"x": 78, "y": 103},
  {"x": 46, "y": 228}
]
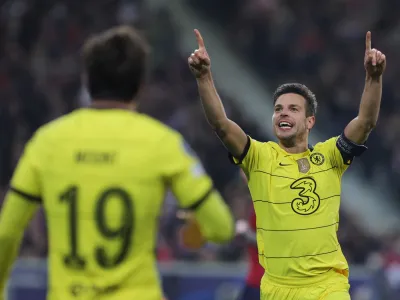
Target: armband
[
  {"x": 349, "y": 149},
  {"x": 243, "y": 155}
]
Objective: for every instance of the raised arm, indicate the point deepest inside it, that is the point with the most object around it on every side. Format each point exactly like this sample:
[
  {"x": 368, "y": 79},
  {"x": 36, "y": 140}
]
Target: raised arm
[
  {"x": 231, "y": 135},
  {"x": 358, "y": 129}
]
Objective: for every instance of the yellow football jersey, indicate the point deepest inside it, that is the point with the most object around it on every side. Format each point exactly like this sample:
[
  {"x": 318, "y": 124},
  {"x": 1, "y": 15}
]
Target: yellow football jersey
[
  {"x": 101, "y": 176},
  {"x": 296, "y": 198}
]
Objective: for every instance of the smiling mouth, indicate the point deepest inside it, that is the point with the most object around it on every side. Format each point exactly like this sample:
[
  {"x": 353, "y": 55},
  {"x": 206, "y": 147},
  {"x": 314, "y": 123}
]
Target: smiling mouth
[{"x": 285, "y": 125}]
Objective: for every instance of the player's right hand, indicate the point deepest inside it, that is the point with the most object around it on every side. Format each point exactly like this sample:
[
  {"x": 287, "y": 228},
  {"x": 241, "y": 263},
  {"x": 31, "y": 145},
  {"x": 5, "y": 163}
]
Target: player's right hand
[
  {"x": 199, "y": 61},
  {"x": 374, "y": 60}
]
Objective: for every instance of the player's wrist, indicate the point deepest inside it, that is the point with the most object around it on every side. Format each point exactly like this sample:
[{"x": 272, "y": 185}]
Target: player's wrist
[
  {"x": 204, "y": 78},
  {"x": 372, "y": 79}
]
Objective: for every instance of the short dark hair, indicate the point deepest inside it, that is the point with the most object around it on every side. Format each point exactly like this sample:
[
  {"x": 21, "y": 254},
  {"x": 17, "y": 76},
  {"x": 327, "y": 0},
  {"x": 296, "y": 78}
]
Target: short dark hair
[
  {"x": 115, "y": 63},
  {"x": 302, "y": 90}
]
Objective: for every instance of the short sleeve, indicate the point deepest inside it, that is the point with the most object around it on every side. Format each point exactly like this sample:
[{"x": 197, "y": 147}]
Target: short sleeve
[
  {"x": 250, "y": 158},
  {"x": 26, "y": 178},
  {"x": 185, "y": 174},
  {"x": 342, "y": 152}
]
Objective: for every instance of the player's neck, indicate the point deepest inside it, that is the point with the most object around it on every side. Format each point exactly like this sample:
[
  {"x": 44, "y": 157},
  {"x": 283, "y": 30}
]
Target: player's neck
[
  {"x": 110, "y": 104},
  {"x": 298, "y": 147}
]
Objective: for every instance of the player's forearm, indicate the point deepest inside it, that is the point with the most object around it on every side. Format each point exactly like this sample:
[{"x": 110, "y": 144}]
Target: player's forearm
[
  {"x": 215, "y": 220},
  {"x": 8, "y": 252},
  {"x": 212, "y": 104},
  {"x": 358, "y": 130},
  {"x": 370, "y": 102},
  {"x": 14, "y": 217},
  {"x": 231, "y": 135}
]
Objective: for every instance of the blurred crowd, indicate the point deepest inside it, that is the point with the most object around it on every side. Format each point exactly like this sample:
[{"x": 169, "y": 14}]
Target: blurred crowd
[
  {"x": 40, "y": 80},
  {"x": 322, "y": 44}
]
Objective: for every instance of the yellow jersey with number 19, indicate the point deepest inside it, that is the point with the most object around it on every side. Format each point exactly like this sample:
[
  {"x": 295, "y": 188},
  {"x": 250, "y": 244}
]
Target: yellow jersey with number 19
[
  {"x": 101, "y": 176},
  {"x": 296, "y": 198}
]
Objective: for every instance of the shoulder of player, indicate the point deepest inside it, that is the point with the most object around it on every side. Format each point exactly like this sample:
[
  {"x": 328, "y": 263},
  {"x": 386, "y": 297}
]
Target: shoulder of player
[
  {"x": 160, "y": 131},
  {"x": 321, "y": 146},
  {"x": 324, "y": 151},
  {"x": 271, "y": 147},
  {"x": 54, "y": 129},
  {"x": 264, "y": 148},
  {"x": 271, "y": 144},
  {"x": 163, "y": 135},
  {"x": 157, "y": 127},
  {"x": 262, "y": 144}
]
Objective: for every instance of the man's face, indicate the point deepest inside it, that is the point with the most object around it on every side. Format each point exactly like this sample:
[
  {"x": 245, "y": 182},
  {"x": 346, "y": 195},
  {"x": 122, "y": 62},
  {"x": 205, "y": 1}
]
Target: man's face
[{"x": 289, "y": 119}]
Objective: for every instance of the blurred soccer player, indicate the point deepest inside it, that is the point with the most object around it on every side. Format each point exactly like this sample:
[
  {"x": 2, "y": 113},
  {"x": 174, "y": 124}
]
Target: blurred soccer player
[
  {"x": 101, "y": 174},
  {"x": 295, "y": 187}
]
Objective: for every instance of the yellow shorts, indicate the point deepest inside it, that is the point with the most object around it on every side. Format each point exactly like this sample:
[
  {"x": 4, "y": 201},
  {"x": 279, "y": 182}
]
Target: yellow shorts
[{"x": 335, "y": 288}]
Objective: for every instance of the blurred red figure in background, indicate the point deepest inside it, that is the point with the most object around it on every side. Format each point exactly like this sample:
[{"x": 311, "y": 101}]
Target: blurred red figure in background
[{"x": 248, "y": 230}]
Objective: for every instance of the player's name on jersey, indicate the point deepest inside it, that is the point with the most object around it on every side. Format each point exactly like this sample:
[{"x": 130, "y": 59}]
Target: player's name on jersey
[{"x": 94, "y": 157}]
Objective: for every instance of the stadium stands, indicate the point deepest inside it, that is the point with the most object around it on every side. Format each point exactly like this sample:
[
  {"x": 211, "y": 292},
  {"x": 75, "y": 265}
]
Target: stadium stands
[{"x": 320, "y": 43}]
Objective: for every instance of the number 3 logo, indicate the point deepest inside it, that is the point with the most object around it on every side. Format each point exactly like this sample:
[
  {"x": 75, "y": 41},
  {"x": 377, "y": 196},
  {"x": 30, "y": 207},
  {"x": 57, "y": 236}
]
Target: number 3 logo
[{"x": 309, "y": 201}]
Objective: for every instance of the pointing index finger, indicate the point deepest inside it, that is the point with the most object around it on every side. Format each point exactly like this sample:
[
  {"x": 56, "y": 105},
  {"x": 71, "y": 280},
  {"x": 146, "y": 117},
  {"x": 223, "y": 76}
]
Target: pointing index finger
[
  {"x": 199, "y": 39},
  {"x": 368, "y": 41}
]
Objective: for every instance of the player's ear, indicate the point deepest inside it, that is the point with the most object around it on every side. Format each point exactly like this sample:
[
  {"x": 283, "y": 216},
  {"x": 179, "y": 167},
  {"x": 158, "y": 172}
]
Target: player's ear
[{"x": 310, "y": 122}]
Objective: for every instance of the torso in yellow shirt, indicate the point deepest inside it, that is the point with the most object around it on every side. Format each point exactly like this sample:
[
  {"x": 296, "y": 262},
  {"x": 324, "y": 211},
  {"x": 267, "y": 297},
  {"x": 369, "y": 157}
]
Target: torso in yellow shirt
[
  {"x": 296, "y": 198},
  {"x": 102, "y": 176}
]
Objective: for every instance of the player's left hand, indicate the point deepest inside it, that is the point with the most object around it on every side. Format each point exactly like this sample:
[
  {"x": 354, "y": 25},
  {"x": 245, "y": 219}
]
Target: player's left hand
[
  {"x": 190, "y": 234},
  {"x": 374, "y": 60}
]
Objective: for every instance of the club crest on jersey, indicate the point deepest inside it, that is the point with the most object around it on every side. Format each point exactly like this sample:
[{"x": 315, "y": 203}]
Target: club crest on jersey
[
  {"x": 317, "y": 159},
  {"x": 304, "y": 165}
]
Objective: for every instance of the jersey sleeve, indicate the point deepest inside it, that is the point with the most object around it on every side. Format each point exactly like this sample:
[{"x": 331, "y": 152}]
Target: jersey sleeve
[
  {"x": 194, "y": 190},
  {"x": 14, "y": 217},
  {"x": 342, "y": 152},
  {"x": 26, "y": 179},
  {"x": 250, "y": 158},
  {"x": 22, "y": 201},
  {"x": 185, "y": 174}
]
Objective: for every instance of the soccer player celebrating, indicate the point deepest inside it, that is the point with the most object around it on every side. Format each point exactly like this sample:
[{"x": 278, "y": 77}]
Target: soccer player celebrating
[
  {"x": 295, "y": 187},
  {"x": 101, "y": 174}
]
